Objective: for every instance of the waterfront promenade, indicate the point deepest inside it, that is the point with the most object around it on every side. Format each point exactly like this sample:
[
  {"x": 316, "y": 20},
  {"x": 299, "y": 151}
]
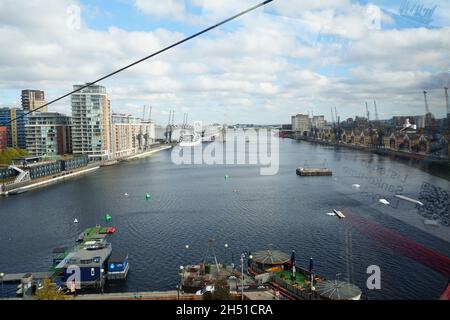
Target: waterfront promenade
[
  {"x": 50, "y": 180},
  {"x": 385, "y": 151},
  {"x": 146, "y": 295}
]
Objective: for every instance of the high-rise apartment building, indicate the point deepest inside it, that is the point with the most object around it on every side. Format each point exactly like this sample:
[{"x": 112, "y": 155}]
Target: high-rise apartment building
[
  {"x": 15, "y": 120},
  {"x": 33, "y": 99},
  {"x": 91, "y": 122},
  {"x": 3, "y": 138},
  {"x": 48, "y": 134}
]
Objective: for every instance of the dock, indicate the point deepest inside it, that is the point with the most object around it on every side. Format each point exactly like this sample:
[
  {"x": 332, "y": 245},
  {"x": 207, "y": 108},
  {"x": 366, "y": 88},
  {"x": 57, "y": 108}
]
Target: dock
[
  {"x": 17, "y": 277},
  {"x": 147, "y": 153},
  {"x": 313, "y": 172},
  {"x": 339, "y": 214},
  {"x": 46, "y": 181}
]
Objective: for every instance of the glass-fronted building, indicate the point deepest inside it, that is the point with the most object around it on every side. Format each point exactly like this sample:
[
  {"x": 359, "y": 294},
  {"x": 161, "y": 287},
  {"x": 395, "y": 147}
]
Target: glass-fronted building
[
  {"x": 16, "y": 128},
  {"x": 91, "y": 122},
  {"x": 48, "y": 134}
]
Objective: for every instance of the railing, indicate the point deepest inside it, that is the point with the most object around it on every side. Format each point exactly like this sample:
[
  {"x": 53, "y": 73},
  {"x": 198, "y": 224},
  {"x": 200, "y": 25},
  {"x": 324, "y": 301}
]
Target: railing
[
  {"x": 292, "y": 290},
  {"x": 301, "y": 294}
]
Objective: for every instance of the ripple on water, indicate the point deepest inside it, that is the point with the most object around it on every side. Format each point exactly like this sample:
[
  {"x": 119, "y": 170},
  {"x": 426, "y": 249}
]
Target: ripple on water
[{"x": 247, "y": 211}]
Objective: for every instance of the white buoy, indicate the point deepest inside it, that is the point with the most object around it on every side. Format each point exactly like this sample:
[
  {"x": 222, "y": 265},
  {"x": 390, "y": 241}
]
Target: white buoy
[
  {"x": 75, "y": 221},
  {"x": 126, "y": 194},
  {"x": 384, "y": 201}
]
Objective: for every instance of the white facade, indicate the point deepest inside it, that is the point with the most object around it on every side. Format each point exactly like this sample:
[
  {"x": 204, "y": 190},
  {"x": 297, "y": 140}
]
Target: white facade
[
  {"x": 318, "y": 122},
  {"x": 91, "y": 123},
  {"x": 301, "y": 123}
]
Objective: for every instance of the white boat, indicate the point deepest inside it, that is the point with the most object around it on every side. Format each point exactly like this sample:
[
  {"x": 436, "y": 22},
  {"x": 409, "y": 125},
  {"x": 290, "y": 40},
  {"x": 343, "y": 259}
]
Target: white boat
[
  {"x": 399, "y": 196},
  {"x": 356, "y": 185},
  {"x": 331, "y": 214},
  {"x": 384, "y": 201},
  {"x": 190, "y": 140}
]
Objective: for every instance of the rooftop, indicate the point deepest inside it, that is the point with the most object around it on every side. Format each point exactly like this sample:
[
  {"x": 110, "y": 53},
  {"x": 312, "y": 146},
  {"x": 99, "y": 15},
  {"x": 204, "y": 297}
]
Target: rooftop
[{"x": 270, "y": 257}]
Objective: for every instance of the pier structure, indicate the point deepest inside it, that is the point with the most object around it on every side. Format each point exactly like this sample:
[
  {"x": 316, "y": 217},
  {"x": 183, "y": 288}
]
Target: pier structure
[{"x": 313, "y": 172}]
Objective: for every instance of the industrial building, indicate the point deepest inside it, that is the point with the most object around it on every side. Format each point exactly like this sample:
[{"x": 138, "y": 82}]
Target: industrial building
[{"x": 301, "y": 123}]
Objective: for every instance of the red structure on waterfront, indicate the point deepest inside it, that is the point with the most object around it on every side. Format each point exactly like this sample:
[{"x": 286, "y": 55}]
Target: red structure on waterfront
[{"x": 3, "y": 138}]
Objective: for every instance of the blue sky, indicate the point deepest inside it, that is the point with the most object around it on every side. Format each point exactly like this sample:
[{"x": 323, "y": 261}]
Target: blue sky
[
  {"x": 102, "y": 14},
  {"x": 290, "y": 57}
]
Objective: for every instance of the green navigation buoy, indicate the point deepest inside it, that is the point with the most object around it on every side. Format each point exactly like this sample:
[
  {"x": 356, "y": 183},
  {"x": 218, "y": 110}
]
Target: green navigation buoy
[
  {"x": 108, "y": 217},
  {"x": 226, "y": 177},
  {"x": 148, "y": 196}
]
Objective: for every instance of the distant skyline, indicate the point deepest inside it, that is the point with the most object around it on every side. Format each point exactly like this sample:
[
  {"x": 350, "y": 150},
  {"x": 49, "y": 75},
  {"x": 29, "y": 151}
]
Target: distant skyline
[{"x": 290, "y": 57}]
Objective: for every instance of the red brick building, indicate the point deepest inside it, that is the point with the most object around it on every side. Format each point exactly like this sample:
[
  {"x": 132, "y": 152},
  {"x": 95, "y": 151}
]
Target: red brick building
[{"x": 3, "y": 138}]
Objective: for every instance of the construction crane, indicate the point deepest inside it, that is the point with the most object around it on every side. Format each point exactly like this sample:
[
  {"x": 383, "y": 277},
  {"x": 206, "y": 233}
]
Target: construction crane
[
  {"x": 427, "y": 108},
  {"x": 168, "y": 127},
  {"x": 447, "y": 104},
  {"x": 150, "y": 114},
  {"x": 140, "y": 135},
  {"x": 146, "y": 135},
  {"x": 332, "y": 116},
  {"x": 380, "y": 132},
  {"x": 448, "y": 108},
  {"x": 367, "y": 112},
  {"x": 185, "y": 120},
  {"x": 376, "y": 111},
  {"x": 336, "y": 114},
  {"x": 172, "y": 125}
]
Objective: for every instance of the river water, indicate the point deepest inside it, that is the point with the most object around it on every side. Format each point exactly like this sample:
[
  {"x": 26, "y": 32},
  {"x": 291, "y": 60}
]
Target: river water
[{"x": 248, "y": 211}]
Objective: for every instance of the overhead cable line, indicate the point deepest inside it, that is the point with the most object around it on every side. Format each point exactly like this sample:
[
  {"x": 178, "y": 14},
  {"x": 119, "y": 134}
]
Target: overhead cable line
[{"x": 144, "y": 59}]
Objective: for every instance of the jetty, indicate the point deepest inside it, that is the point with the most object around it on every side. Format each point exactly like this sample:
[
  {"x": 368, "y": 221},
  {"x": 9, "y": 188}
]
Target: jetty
[
  {"x": 313, "y": 172},
  {"x": 339, "y": 214},
  {"x": 399, "y": 196},
  {"x": 17, "y": 277}
]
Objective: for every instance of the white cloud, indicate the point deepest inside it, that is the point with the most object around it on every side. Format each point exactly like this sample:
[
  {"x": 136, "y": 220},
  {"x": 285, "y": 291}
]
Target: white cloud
[
  {"x": 174, "y": 9},
  {"x": 260, "y": 69}
]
